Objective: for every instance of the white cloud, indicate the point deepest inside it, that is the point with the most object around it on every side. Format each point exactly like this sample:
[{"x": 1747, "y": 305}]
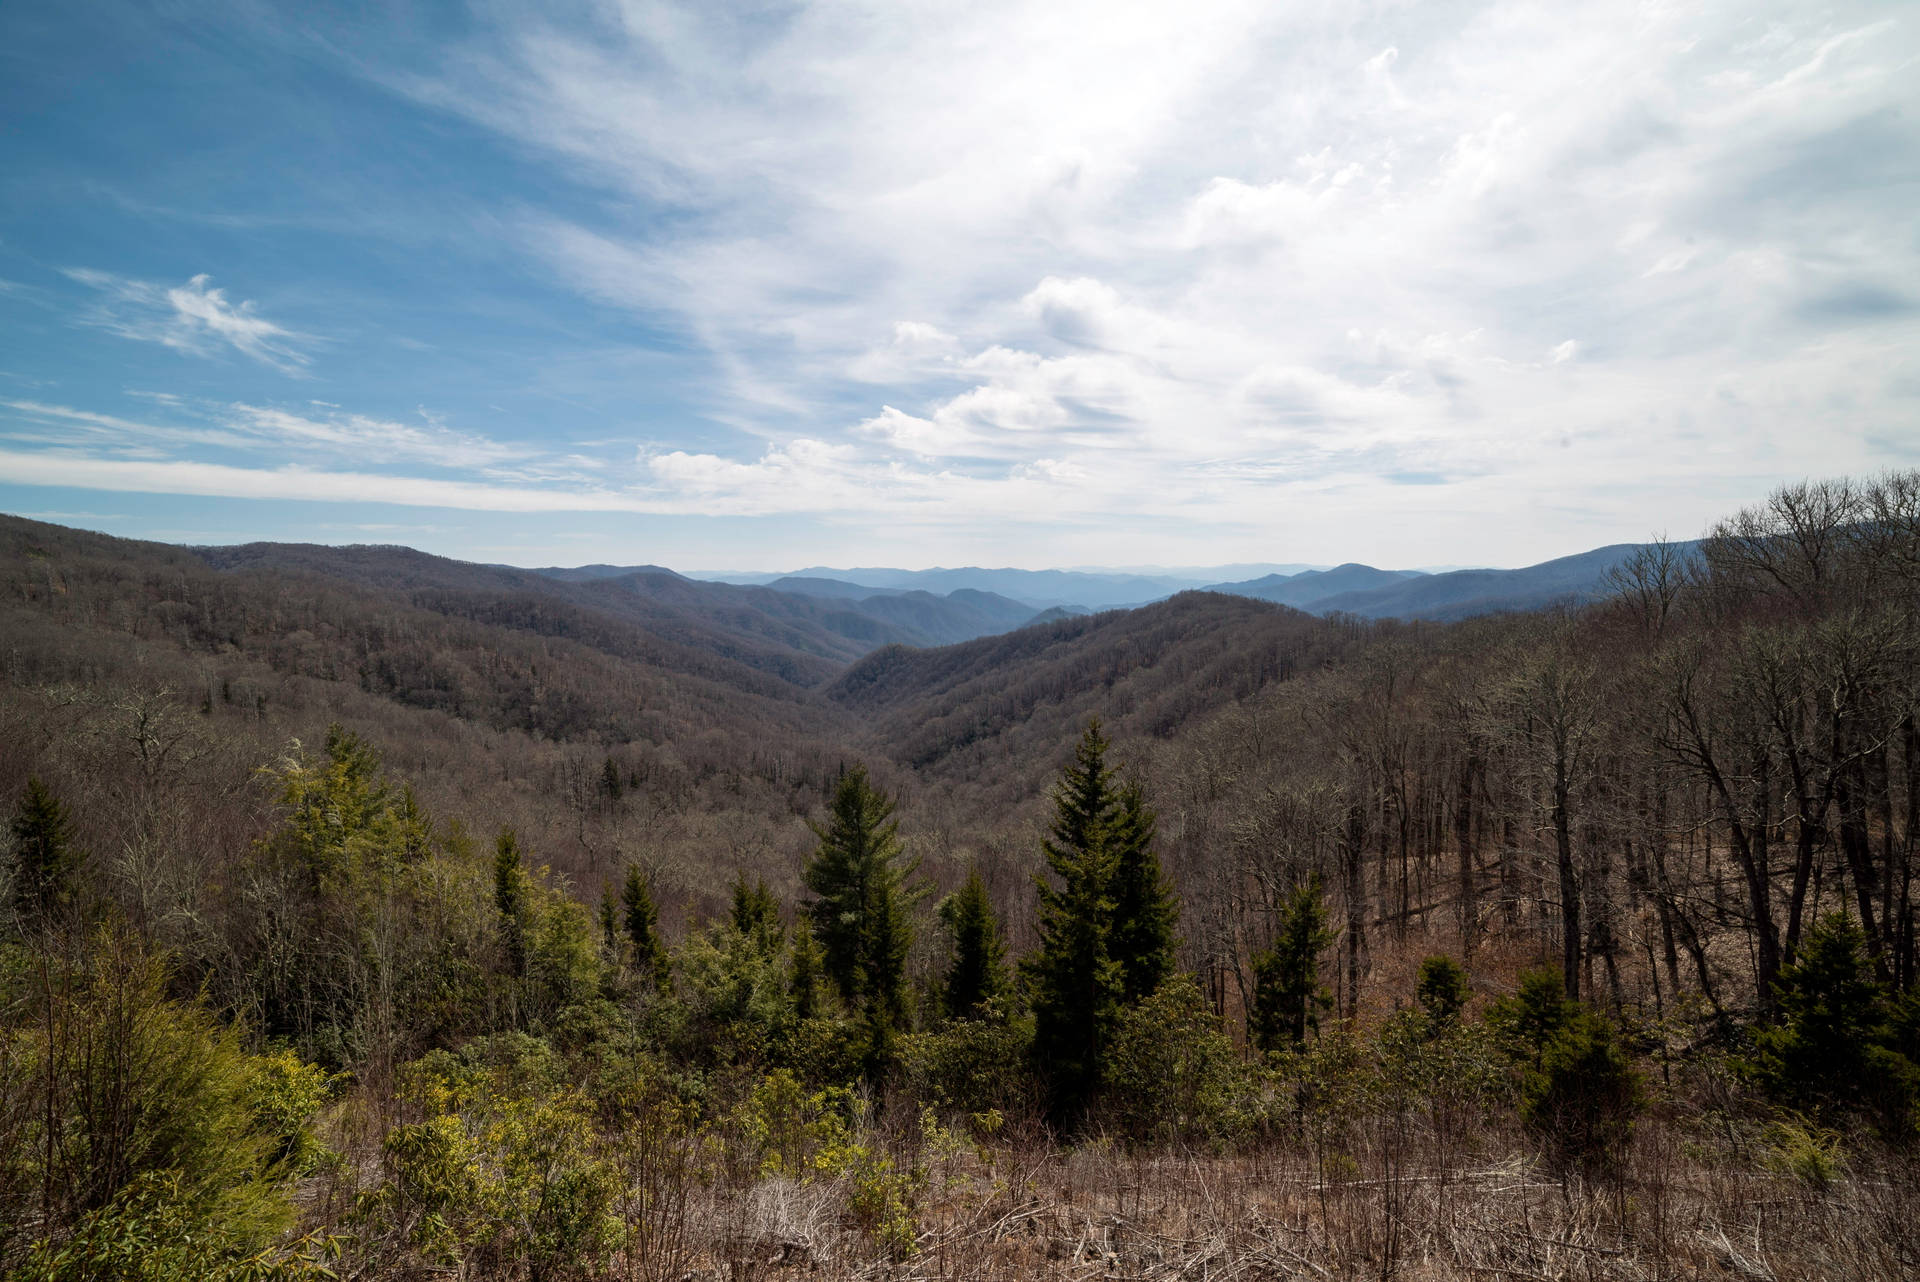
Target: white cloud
[
  {"x": 194, "y": 317},
  {"x": 217, "y": 480},
  {"x": 1128, "y": 228},
  {"x": 372, "y": 440},
  {"x": 1224, "y": 266},
  {"x": 333, "y": 437}
]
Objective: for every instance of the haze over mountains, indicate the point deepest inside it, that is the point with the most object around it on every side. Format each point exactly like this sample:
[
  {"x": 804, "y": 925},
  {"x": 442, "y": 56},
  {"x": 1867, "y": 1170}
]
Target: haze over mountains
[{"x": 1350, "y": 588}]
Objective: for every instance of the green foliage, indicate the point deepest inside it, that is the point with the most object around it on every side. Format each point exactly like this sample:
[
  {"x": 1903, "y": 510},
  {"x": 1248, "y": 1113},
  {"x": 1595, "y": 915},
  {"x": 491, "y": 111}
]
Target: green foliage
[
  {"x": 641, "y": 916},
  {"x": 1172, "y": 1072},
  {"x": 1146, "y": 914},
  {"x": 1287, "y": 994},
  {"x": 362, "y": 937},
  {"x": 344, "y": 822},
  {"x": 1838, "y": 1046},
  {"x": 881, "y": 1199},
  {"x": 1581, "y": 1095},
  {"x": 1325, "y": 1089},
  {"x": 609, "y": 917},
  {"x": 1537, "y": 1012},
  {"x": 1804, "y": 1151},
  {"x": 157, "y": 1146},
  {"x": 1443, "y": 991},
  {"x": 510, "y": 900},
  {"x": 1455, "y": 1073},
  {"x": 43, "y": 853},
  {"x": 546, "y": 937},
  {"x": 1074, "y": 983},
  {"x": 563, "y": 964},
  {"x": 502, "y": 1171},
  {"x": 755, "y": 913},
  {"x": 861, "y": 913},
  {"x": 805, "y": 972},
  {"x": 972, "y": 1065},
  {"x": 733, "y": 1002},
  {"x": 1579, "y": 1092},
  {"x": 150, "y": 1233},
  {"x": 783, "y": 1129},
  {"x": 977, "y": 973},
  {"x": 285, "y": 1094}
]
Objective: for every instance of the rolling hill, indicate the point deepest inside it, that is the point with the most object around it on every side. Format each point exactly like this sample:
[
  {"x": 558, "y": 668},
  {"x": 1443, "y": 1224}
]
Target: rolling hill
[
  {"x": 1456, "y": 594},
  {"x": 1303, "y": 591},
  {"x": 1462, "y": 594}
]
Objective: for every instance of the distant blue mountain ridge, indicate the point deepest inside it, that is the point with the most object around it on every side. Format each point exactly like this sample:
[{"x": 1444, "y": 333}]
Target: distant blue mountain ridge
[{"x": 1352, "y": 588}]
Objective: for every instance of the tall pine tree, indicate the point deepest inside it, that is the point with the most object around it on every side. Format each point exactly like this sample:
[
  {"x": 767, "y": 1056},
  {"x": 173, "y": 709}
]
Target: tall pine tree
[
  {"x": 1075, "y": 984},
  {"x": 978, "y": 972},
  {"x": 861, "y": 910},
  {"x": 803, "y": 971},
  {"x": 43, "y": 855},
  {"x": 510, "y": 897},
  {"x": 1287, "y": 994},
  {"x": 641, "y": 916},
  {"x": 1145, "y": 914}
]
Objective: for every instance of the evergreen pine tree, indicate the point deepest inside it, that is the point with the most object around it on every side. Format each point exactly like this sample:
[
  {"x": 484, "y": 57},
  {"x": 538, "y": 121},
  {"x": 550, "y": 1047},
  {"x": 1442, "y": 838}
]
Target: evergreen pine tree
[
  {"x": 1837, "y": 1046},
  {"x": 509, "y": 896},
  {"x": 755, "y": 913},
  {"x": 1073, "y": 980},
  {"x": 642, "y": 920},
  {"x": 860, "y": 915},
  {"x": 978, "y": 973},
  {"x": 1145, "y": 914},
  {"x": 804, "y": 970},
  {"x": 1443, "y": 991},
  {"x": 610, "y": 920},
  {"x": 43, "y": 855},
  {"x": 1287, "y": 994}
]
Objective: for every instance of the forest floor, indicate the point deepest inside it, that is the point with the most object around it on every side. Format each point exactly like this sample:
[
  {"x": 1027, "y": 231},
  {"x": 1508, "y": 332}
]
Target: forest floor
[{"x": 1098, "y": 1213}]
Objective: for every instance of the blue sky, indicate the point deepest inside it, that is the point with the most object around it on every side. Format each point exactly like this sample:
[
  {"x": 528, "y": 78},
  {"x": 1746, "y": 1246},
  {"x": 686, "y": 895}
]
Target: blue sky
[{"x": 761, "y": 286}]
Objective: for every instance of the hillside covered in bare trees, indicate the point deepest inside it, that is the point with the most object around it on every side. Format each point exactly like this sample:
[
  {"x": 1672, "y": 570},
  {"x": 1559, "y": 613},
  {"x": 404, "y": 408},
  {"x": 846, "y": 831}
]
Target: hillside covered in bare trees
[{"x": 374, "y": 915}]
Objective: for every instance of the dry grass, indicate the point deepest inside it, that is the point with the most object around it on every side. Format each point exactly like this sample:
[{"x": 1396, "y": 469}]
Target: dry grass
[{"x": 1096, "y": 1212}]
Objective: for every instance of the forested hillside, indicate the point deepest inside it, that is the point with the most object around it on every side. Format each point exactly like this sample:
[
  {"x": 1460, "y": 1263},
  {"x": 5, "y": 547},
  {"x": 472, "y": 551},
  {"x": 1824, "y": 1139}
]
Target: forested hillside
[{"x": 462, "y": 921}]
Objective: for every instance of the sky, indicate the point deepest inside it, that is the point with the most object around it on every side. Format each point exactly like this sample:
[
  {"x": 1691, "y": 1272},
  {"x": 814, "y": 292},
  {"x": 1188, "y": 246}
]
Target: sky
[{"x": 759, "y": 286}]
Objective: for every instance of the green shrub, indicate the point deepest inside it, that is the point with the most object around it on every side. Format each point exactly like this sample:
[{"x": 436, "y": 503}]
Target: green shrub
[
  {"x": 1443, "y": 991},
  {"x": 1805, "y": 1151},
  {"x": 1838, "y": 1048},
  {"x": 284, "y": 1095},
  {"x": 1536, "y": 1013},
  {"x": 1581, "y": 1096},
  {"x": 1172, "y": 1072},
  {"x": 155, "y": 1145},
  {"x": 972, "y": 1065},
  {"x": 503, "y": 1169},
  {"x": 148, "y": 1233},
  {"x": 1455, "y": 1072}
]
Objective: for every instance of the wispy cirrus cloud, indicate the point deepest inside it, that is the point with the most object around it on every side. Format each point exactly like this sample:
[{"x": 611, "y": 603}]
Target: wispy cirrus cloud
[
  {"x": 1455, "y": 241},
  {"x": 332, "y": 435},
  {"x": 193, "y": 317}
]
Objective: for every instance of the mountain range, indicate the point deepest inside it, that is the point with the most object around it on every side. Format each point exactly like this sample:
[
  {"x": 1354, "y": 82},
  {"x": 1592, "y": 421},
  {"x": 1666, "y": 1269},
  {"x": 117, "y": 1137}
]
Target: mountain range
[
  {"x": 803, "y": 630},
  {"x": 1351, "y": 588}
]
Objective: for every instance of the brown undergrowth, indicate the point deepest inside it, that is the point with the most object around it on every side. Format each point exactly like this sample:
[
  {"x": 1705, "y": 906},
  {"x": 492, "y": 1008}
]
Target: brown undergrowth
[{"x": 1694, "y": 1198}]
